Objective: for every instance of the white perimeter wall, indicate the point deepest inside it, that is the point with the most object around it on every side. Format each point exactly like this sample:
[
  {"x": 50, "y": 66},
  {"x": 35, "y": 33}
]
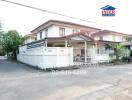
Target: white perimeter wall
[{"x": 46, "y": 57}]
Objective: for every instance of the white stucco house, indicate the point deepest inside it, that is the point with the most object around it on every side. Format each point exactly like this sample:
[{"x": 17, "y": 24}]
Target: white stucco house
[
  {"x": 59, "y": 43},
  {"x": 30, "y": 38}
]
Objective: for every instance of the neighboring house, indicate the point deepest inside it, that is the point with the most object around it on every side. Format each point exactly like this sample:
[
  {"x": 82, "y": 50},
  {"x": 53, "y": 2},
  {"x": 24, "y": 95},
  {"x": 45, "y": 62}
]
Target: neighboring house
[
  {"x": 106, "y": 37},
  {"x": 61, "y": 43},
  {"x": 29, "y": 38},
  {"x": 128, "y": 42},
  {"x": 110, "y": 36}
]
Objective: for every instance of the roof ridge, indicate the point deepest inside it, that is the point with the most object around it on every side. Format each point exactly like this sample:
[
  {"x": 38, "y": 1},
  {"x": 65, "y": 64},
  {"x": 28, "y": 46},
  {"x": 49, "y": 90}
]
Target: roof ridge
[{"x": 65, "y": 22}]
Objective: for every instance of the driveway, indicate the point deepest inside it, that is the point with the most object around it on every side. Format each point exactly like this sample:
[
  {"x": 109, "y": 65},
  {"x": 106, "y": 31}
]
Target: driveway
[
  {"x": 12, "y": 69},
  {"x": 21, "y": 82}
]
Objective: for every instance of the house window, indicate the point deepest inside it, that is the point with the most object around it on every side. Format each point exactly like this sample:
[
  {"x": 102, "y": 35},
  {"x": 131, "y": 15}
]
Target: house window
[
  {"x": 40, "y": 35},
  {"x": 101, "y": 38},
  {"x": 113, "y": 38},
  {"x": 82, "y": 52},
  {"x": 46, "y": 33},
  {"x": 75, "y": 31},
  {"x": 62, "y": 31},
  {"x": 98, "y": 51}
]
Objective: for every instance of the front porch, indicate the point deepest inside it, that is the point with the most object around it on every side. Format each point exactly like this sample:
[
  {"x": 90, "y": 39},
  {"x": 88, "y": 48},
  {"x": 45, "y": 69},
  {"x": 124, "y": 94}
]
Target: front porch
[
  {"x": 76, "y": 49},
  {"x": 85, "y": 49}
]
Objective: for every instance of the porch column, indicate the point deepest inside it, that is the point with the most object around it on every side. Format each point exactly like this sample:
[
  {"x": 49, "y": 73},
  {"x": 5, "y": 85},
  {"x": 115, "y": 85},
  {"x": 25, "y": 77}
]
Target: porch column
[
  {"x": 96, "y": 48},
  {"x": 46, "y": 43},
  {"x": 85, "y": 52},
  {"x": 65, "y": 43}
]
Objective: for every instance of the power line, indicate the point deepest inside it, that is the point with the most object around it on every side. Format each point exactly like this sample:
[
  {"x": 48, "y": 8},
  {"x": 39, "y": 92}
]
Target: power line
[{"x": 51, "y": 12}]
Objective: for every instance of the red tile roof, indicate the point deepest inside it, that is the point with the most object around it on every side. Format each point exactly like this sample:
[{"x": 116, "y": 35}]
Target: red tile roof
[
  {"x": 85, "y": 34},
  {"x": 126, "y": 43},
  {"x": 106, "y": 32},
  {"x": 30, "y": 35},
  {"x": 129, "y": 35},
  {"x": 56, "y": 22}
]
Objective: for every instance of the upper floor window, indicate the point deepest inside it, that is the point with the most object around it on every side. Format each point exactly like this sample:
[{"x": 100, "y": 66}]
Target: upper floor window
[
  {"x": 75, "y": 30},
  {"x": 113, "y": 37},
  {"x": 124, "y": 38},
  {"x": 62, "y": 31},
  {"x": 40, "y": 34},
  {"x": 101, "y": 38},
  {"x": 46, "y": 33}
]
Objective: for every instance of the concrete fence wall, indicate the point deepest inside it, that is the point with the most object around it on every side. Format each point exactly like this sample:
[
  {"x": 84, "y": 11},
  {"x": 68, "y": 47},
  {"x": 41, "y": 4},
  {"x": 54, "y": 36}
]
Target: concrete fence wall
[
  {"x": 49, "y": 57},
  {"x": 99, "y": 58},
  {"x": 3, "y": 57}
]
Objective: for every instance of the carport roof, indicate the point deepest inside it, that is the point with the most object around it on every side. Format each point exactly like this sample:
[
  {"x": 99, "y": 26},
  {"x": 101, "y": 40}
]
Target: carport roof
[
  {"x": 107, "y": 32},
  {"x": 83, "y": 35},
  {"x": 127, "y": 43}
]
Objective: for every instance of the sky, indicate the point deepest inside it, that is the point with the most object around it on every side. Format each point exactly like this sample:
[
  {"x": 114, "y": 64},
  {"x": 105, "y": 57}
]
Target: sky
[{"x": 25, "y": 19}]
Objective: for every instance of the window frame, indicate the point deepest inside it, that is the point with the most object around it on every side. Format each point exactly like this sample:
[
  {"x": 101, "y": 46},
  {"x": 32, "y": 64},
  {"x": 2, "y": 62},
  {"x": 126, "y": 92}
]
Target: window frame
[
  {"x": 46, "y": 33},
  {"x": 61, "y": 31},
  {"x": 100, "y": 37},
  {"x": 40, "y": 34}
]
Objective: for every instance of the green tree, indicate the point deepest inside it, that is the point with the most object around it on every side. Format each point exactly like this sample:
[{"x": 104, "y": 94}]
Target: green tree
[
  {"x": 0, "y": 26},
  {"x": 1, "y": 35},
  {"x": 10, "y": 42},
  {"x": 120, "y": 51},
  {"x": 130, "y": 53},
  {"x": 129, "y": 39}
]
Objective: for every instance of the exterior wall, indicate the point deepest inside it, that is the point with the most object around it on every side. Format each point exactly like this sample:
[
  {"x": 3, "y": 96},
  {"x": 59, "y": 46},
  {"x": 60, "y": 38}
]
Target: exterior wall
[
  {"x": 38, "y": 36},
  {"x": 22, "y": 49},
  {"x": 91, "y": 50},
  {"x": 29, "y": 40},
  {"x": 3, "y": 57},
  {"x": 65, "y": 25},
  {"x": 99, "y": 58},
  {"x": 53, "y": 31},
  {"x": 96, "y": 37},
  {"x": 92, "y": 55},
  {"x": 110, "y": 37},
  {"x": 49, "y": 57}
]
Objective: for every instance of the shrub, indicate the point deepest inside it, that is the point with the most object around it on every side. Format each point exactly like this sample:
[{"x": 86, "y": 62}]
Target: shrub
[
  {"x": 131, "y": 53},
  {"x": 2, "y": 53}
]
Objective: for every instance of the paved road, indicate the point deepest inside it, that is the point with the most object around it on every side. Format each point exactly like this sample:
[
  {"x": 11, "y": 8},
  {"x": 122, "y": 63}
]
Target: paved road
[{"x": 21, "y": 82}]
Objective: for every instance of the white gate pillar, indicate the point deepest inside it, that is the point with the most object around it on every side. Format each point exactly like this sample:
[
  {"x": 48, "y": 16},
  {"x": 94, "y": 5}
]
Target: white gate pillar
[
  {"x": 46, "y": 43},
  {"x": 65, "y": 43},
  {"x": 85, "y": 51},
  {"x": 96, "y": 48}
]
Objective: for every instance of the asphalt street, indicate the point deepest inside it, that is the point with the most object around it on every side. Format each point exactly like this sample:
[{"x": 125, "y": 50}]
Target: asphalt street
[{"x": 21, "y": 82}]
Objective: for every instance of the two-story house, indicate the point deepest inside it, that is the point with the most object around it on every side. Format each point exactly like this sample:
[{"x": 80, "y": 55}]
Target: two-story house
[
  {"x": 29, "y": 38},
  {"x": 111, "y": 36},
  {"x": 54, "y": 30},
  {"x": 61, "y": 43},
  {"x": 106, "y": 37},
  {"x": 128, "y": 42}
]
